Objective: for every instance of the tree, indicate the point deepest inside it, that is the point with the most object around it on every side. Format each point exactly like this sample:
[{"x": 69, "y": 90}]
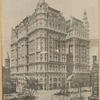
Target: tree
[
  {"x": 30, "y": 87},
  {"x": 31, "y": 83}
]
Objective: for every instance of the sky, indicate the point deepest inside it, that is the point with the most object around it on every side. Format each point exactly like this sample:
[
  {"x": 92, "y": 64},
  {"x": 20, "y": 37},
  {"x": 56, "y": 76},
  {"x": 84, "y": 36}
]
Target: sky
[{"x": 14, "y": 11}]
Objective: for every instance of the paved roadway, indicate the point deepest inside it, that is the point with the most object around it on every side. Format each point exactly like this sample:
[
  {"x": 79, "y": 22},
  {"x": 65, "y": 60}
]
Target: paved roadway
[{"x": 48, "y": 95}]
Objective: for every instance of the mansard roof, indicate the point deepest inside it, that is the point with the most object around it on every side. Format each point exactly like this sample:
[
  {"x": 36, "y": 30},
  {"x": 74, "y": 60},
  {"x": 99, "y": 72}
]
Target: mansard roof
[
  {"x": 71, "y": 22},
  {"x": 76, "y": 21},
  {"x": 52, "y": 9}
]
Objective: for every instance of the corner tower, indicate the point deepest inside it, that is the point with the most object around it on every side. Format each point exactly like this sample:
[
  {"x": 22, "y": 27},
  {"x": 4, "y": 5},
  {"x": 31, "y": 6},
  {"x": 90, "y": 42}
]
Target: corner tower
[
  {"x": 78, "y": 51},
  {"x": 85, "y": 21}
]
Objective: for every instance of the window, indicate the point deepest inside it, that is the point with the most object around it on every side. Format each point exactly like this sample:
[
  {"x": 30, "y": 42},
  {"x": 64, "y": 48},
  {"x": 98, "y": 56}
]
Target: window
[
  {"x": 41, "y": 67},
  {"x": 59, "y": 79},
  {"x": 95, "y": 93},
  {"x": 47, "y": 67},
  {"x": 95, "y": 84},
  {"x": 40, "y": 23},
  {"x": 58, "y": 26},
  {"x": 45, "y": 80},
  {"x": 59, "y": 68},
  {"x": 41, "y": 80},
  {"x": 55, "y": 79},
  {"x": 45, "y": 57},
  {"x": 50, "y": 24},
  {"x": 41, "y": 57},
  {"x": 36, "y": 67},
  {"x": 50, "y": 79},
  {"x": 54, "y": 68},
  {"x": 95, "y": 74}
]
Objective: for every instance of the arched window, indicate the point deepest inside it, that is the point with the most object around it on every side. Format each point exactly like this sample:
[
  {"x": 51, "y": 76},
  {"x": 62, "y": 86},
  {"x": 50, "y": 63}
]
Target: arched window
[{"x": 41, "y": 80}]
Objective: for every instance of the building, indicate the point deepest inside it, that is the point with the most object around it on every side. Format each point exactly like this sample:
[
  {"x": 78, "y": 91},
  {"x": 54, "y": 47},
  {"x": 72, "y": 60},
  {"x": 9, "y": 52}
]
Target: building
[
  {"x": 6, "y": 70},
  {"x": 94, "y": 78},
  {"x": 41, "y": 43},
  {"x": 7, "y": 85}
]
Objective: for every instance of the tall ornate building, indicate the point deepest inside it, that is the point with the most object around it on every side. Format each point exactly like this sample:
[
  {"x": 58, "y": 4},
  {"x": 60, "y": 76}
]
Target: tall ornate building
[{"x": 41, "y": 44}]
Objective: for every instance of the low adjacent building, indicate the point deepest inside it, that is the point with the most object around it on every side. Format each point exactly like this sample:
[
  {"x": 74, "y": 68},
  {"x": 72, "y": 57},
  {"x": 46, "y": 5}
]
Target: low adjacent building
[
  {"x": 94, "y": 79},
  {"x": 6, "y": 70},
  {"x": 7, "y": 85}
]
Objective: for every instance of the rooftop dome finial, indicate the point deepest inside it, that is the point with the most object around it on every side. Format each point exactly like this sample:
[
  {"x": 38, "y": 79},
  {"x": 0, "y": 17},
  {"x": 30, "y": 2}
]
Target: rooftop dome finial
[
  {"x": 85, "y": 14},
  {"x": 41, "y": 1}
]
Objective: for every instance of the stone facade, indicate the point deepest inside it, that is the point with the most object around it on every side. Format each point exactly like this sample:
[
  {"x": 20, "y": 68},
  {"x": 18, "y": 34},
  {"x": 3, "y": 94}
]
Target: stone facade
[
  {"x": 78, "y": 51},
  {"x": 41, "y": 43}
]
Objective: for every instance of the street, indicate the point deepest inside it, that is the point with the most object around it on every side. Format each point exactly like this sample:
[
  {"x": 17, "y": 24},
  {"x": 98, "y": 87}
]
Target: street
[{"x": 49, "y": 95}]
